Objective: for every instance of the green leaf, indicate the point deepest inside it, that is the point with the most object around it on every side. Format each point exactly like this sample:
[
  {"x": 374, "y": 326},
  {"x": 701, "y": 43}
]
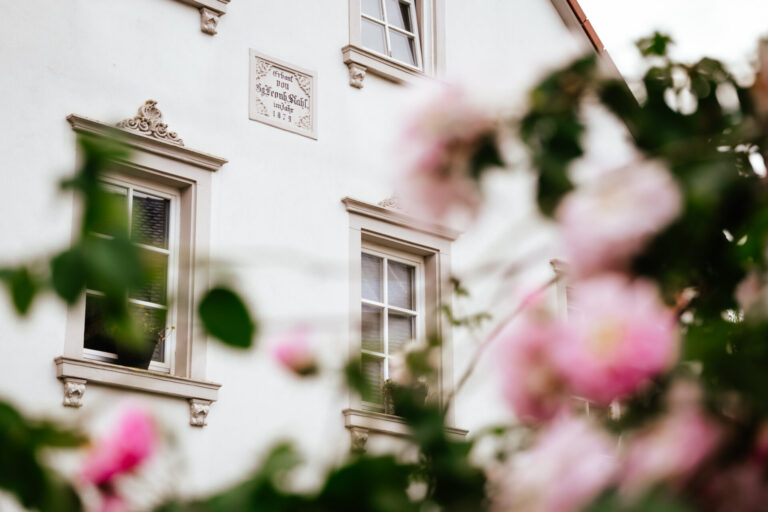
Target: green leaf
[
  {"x": 657, "y": 44},
  {"x": 22, "y": 470},
  {"x": 226, "y": 317},
  {"x": 68, "y": 274},
  {"x": 21, "y": 285}
]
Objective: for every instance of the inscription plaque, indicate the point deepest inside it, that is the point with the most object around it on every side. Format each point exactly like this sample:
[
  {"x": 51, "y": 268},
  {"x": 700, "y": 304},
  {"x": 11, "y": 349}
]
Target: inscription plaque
[{"x": 282, "y": 95}]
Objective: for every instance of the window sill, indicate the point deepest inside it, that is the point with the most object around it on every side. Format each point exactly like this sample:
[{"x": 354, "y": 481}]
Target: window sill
[
  {"x": 361, "y": 423},
  {"x": 361, "y": 61},
  {"x": 76, "y": 373}
]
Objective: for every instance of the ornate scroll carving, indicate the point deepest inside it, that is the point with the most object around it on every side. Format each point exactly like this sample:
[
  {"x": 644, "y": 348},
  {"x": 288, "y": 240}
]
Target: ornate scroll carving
[
  {"x": 262, "y": 68},
  {"x": 198, "y": 412},
  {"x": 356, "y": 75},
  {"x": 391, "y": 202},
  {"x": 74, "y": 389},
  {"x": 209, "y": 20},
  {"x": 149, "y": 122},
  {"x": 359, "y": 437}
]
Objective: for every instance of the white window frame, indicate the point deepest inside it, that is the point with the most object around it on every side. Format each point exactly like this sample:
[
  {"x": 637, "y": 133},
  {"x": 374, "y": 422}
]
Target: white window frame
[
  {"x": 387, "y": 26},
  {"x": 396, "y": 233},
  {"x": 144, "y": 186},
  {"x": 419, "y": 311},
  {"x": 160, "y": 165},
  {"x": 429, "y": 31}
]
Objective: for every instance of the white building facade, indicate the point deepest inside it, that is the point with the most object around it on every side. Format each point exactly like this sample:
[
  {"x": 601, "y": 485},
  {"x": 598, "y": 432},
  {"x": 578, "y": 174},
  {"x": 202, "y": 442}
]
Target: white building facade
[{"x": 277, "y": 144}]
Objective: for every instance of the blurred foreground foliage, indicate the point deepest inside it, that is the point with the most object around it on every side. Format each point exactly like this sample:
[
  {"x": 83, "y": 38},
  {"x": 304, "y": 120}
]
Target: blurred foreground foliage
[{"x": 719, "y": 238}]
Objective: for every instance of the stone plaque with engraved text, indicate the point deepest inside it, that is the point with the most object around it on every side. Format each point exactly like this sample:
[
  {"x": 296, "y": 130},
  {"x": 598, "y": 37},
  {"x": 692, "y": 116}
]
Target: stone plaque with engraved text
[{"x": 282, "y": 95}]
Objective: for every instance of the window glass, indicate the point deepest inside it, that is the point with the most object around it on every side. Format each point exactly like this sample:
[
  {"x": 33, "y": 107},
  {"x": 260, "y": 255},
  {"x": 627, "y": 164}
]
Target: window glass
[
  {"x": 156, "y": 286},
  {"x": 373, "y": 36},
  {"x": 95, "y": 335},
  {"x": 372, "y": 332},
  {"x": 149, "y": 224},
  {"x": 399, "y": 15},
  {"x": 373, "y": 376},
  {"x": 400, "y": 285},
  {"x": 372, "y": 8},
  {"x": 402, "y": 47},
  {"x": 400, "y": 332},
  {"x": 153, "y": 327},
  {"x": 371, "y": 266},
  {"x": 113, "y": 209}
]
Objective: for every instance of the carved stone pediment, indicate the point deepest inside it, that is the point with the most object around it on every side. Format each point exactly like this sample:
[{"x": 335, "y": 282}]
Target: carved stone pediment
[{"x": 149, "y": 122}]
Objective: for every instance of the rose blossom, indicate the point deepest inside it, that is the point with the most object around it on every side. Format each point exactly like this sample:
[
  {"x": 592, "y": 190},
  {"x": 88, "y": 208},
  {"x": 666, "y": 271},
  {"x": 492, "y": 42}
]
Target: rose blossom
[
  {"x": 621, "y": 335},
  {"x": 607, "y": 222},
  {"x": 568, "y": 466},
  {"x": 747, "y": 293},
  {"x": 532, "y": 384},
  {"x": 671, "y": 448},
  {"x": 132, "y": 442},
  {"x": 439, "y": 142},
  {"x": 292, "y": 350},
  {"x": 759, "y": 89}
]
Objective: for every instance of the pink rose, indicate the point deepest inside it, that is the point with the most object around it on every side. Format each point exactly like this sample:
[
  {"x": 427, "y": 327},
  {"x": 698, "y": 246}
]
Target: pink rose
[
  {"x": 669, "y": 450},
  {"x": 532, "y": 385},
  {"x": 747, "y": 293},
  {"x": 292, "y": 350},
  {"x": 439, "y": 143},
  {"x": 621, "y": 335},
  {"x": 570, "y": 463},
  {"x": 131, "y": 443},
  {"x": 606, "y": 223},
  {"x": 760, "y": 87}
]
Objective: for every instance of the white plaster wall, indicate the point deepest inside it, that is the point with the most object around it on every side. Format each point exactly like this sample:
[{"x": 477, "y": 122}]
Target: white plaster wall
[{"x": 279, "y": 229}]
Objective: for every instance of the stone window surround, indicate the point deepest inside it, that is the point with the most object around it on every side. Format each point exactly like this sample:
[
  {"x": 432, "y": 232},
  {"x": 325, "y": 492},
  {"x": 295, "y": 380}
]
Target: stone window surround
[
  {"x": 155, "y": 156},
  {"x": 388, "y": 227},
  {"x": 430, "y": 16}
]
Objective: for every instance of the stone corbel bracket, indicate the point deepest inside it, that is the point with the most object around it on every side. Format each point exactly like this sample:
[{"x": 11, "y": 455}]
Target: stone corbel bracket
[
  {"x": 211, "y": 12},
  {"x": 198, "y": 412},
  {"x": 356, "y": 75}
]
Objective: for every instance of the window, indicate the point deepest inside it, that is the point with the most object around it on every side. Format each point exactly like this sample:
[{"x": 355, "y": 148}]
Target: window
[
  {"x": 391, "y": 313},
  {"x": 152, "y": 214},
  {"x": 388, "y": 27},
  {"x": 164, "y": 190},
  {"x": 399, "y": 40},
  {"x": 399, "y": 277}
]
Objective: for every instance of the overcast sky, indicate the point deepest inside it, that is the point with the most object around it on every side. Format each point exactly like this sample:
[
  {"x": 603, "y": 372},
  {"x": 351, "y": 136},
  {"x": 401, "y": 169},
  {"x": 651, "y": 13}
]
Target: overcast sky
[{"x": 724, "y": 29}]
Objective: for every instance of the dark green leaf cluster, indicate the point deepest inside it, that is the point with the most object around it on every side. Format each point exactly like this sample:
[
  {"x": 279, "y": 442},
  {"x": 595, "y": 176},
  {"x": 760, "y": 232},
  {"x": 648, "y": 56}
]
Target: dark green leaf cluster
[{"x": 23, "y": 473}]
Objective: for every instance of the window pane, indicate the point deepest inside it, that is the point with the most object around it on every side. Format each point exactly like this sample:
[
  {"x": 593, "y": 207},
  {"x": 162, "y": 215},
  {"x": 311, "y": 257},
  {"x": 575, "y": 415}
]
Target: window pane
[
  {"x": 402, "y": 47},
  {"x": 150, "y": 220},
  {"x": 373, "y": 376},
  {"x": 111, "y": 210},
  {"x": 95, "y": 335},
  {"x": 400, "y": 332},
  {"x": 400, "y": 285},
  {"x": 399, "y": 15},
  {"x": 373, "y": 36},
  {"x": 372, "y": 338},
  {"x": 372, "y": 8},
  {"x": 372, "y": 277},
  {"x": 151, "y": 323},
  {"x": 153, "y": 328},
  {"x": 156, "y": 268}
]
